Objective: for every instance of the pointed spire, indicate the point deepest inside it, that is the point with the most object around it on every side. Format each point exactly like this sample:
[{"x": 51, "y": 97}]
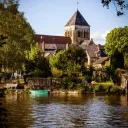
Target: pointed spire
[
  {"x": 77, "y": 19},
  {"x": 77, "y": 5}
]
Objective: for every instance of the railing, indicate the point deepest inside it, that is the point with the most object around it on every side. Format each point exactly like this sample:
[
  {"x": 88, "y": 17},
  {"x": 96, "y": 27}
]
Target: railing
[{"x": 44, "y": 83}]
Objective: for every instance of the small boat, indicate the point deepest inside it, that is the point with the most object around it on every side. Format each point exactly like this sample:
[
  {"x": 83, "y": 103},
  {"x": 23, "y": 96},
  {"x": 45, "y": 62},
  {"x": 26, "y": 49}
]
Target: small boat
[{"x": 39, "y": 92}]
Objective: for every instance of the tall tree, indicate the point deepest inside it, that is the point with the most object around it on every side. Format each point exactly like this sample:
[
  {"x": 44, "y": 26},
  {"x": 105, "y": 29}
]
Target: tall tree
[
  {"x": 117, "y": 40},
  {"x": 117, "y": 48},
  {"x": 20, "y": 34},
  {"x": 69, "y": 60}
]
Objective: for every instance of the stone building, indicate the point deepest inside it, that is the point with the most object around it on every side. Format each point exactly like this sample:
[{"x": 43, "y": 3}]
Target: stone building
[
  {"x": 51, "y": 44},
  {"x": 76, "y": 32},
  {"x": 77, "y": 28}
]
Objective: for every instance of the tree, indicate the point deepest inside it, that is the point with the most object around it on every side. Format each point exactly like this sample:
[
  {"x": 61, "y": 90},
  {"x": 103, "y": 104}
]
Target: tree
[
  {"x": 117, "y": 42},
  {"x": 71, "y": 60},
  {"x": 58, "y": 60},
  {"x": 120, "y": 5},
  {"x": 20, "y": 35},
  {"x": 117, "y": 48},
  {"x": 39, "y": 66}
]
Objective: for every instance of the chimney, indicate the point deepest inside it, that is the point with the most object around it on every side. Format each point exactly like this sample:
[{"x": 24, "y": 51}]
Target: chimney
[
  {"x": 98, "y": 47},
  {"x": 42, "y": 44}
]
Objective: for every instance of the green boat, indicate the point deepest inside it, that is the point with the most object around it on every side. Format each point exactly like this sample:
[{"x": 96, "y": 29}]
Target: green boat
[{"x": 39, "y": 92}]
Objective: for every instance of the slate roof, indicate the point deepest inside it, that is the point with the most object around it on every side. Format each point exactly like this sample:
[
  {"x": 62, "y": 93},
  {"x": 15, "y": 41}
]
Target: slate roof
[
  {"x": 50, "y": 39},
  {"x": 77, "y": 19},
  {"x": 91, "y": 49},
  {"x": 87, "y": 42},
  {"x": 101, "y": 60}
]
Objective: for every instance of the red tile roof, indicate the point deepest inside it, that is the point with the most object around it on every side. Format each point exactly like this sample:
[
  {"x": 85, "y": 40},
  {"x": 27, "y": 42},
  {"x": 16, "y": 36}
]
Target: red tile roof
[{"x": 50, "y": 39}]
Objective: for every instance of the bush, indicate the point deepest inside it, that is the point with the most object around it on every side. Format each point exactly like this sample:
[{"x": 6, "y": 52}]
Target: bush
[
  {"x": 116, "y": 89},
  {"x": 112, "y": 89},
  {"x": 56, "y": 72},
  {"x": 88, "y": 78},
  {"x": 37, "y": 73},
  {"x": 99, "y": 88},
  {"x": 88, "y": 88},
  {"x": 72, "y": 83}
]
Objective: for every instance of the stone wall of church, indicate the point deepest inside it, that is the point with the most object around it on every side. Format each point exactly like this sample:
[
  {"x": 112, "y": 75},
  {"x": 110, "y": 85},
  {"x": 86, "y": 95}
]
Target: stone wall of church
[{"x": 77, "y": 33}]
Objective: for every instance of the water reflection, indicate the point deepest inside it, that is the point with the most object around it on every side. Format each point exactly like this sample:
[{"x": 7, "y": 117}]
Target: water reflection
[{"x": 67, "y": 111}]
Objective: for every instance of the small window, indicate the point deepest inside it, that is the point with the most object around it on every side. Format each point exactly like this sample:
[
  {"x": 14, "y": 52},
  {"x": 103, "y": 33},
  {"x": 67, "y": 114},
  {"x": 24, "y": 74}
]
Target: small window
[
  {"x": 84, "y": 34},
  {"x": 65, "y": 33},
  {"x": 78, "y": 33},
  {"x": 70, "y": 33}
]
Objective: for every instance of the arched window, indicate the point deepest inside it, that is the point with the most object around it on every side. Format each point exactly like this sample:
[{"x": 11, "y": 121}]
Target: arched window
[
  {"x": 78, "y": 33},
  {"x": 86, "y": 35},
  {"x": 68, "y": 34},
  {"x": 65, "y": 33},
  {"x": 81, "y": 33}
]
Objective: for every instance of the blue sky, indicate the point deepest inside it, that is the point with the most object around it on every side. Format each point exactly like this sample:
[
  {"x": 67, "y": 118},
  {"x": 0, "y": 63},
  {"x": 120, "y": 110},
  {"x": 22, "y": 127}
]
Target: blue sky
[{"x": 50, "y": 16}]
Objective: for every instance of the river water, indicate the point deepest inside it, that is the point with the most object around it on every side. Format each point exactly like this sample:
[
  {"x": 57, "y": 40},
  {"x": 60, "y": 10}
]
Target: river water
[{"x": 67, "y": 111}]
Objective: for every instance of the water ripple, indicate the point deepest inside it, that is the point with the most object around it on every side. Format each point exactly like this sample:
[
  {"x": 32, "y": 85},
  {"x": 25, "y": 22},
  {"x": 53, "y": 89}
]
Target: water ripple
[{"x": 68, "y": 112}]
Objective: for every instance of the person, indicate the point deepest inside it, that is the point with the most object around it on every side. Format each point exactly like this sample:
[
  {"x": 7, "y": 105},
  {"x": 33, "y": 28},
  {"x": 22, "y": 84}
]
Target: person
[{"x": 12, "y": 76}]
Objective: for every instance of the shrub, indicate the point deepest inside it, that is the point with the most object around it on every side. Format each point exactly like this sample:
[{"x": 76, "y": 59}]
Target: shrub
[
  {"x": 56, "y": 72},
  {"x": 37, "y": 73},
  {"x": 88, "y": 88},
  {"x": 72, "y": 83},
  {"x": 116, "y": 89},
  {"x": 99, "y": 88},
  {"x": 88, "y": 78}
]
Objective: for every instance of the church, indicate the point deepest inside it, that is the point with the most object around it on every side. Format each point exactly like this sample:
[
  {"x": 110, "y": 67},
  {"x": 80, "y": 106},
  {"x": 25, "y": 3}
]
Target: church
[{"x": 76, "y": 32}]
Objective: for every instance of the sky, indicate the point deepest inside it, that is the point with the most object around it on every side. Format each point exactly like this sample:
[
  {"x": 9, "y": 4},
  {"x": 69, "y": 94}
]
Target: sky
[{"x": 50, "y": 16}]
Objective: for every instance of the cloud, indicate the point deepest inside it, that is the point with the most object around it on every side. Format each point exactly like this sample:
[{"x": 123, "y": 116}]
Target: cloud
[{"x": 97, "y": 36}]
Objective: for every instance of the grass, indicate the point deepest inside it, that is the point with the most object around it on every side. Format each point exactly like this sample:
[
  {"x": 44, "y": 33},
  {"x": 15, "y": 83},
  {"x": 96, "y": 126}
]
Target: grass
[
  {"x": 106, "y": 83},
  {"x": 21, "y": 81}
]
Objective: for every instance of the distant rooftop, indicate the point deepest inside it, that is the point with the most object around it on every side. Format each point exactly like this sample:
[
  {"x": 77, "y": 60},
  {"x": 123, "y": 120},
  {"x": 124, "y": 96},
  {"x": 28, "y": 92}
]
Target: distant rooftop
[
  {"x": 77, "y": 19},
  {"x": 51, "y": 39}
]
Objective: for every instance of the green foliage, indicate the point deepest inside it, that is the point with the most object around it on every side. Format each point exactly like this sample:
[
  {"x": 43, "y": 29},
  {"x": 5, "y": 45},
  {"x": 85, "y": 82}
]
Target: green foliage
[
  {"x": 99, "y": 88},
  {"x": 38, "y": 67},
  {"x": 2, "y": 40},
  {"x": 114, "y": 74},
  {"x": 110, "y": 89},
  {"x": 88, "y": 88},
  {"x": 71, "y": 60},
  {"x": 117, "y": 48},
  {"x": 58, "y": 61},
  {"x": 116, "y": 89},
  {"x": 34, "y": 50},
  {"x": 126, "y": 63},
  {"x": 88, "y": 73},
  {"x": 37, "y": 73},
  {"x": 71, "y": 83},
  {"x": 117, "y": 41},
  {"x": 19, "y": 33},
  {"x": 117, "y": 61},
  {"x": 76, "y": 55},
  {"x": 56, "y": 72},
  {"x": 120, "y": 5}
]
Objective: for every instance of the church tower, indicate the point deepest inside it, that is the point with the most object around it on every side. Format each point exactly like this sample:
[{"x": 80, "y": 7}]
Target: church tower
[{"x": 77, "y": 28}]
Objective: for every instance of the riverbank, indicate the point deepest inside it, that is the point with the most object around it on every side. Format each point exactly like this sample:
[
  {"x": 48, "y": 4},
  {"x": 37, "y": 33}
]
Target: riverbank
[{"x": 87, "y": 89}]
